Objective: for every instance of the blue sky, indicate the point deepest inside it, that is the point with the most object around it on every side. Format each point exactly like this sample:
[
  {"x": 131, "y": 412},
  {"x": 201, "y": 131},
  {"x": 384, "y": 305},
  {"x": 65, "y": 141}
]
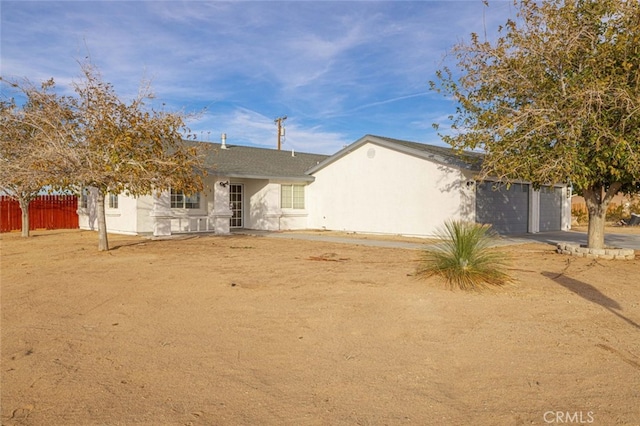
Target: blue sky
[{"x": 337, "y": 70}]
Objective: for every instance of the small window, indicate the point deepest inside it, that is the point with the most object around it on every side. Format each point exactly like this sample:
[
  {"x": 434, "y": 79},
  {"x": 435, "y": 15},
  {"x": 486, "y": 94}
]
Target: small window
[
  {"x": 113, "y": 201},
  {"x": 84, "y": 198},
  {"x": 181, "y": 201},
  {"x": 292, "y": 197}
]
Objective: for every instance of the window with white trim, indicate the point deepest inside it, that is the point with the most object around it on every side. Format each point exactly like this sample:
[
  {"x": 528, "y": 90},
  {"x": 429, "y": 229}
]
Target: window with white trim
[
  {"x": 181, "y": 201},
  {"x": 292, "y": 196},
  {"x": 113, "y": 201},
  {"x": 84, "y": 198}
]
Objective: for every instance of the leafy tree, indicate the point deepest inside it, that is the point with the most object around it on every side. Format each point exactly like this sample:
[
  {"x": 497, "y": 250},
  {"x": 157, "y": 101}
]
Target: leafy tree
[
  {"x": 555, "y": 99},
  {"x": 25, "y": 132},
  {"x": 119, "y": 147}
]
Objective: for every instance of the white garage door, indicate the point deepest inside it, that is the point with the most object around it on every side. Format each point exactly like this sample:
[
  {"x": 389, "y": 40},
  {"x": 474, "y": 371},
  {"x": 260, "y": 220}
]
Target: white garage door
[
  {"x": 505, "y": 209},
  {"x": 550, "y": 209}
]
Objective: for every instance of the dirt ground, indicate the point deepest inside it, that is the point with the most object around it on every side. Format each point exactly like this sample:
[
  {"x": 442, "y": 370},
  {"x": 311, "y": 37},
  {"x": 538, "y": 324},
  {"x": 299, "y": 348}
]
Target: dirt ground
[{"x": 246, "y": 330}]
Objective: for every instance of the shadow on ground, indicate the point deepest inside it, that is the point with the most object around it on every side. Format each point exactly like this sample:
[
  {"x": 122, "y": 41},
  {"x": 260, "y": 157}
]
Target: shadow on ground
[{"x": 590, "y": 293}]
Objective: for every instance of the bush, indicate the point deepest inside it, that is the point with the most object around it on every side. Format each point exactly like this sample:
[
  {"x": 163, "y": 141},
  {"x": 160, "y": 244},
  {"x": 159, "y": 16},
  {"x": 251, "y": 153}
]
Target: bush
[
  {"x": 615, "y": 213},
  {"x": 634, "y": 206},
  {"x": 465, "y": 259},
  {"x": 580, "y": 215}
]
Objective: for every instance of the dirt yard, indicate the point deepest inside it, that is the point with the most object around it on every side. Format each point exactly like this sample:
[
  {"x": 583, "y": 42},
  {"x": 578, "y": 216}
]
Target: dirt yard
[{"x": 246, "y": 330}]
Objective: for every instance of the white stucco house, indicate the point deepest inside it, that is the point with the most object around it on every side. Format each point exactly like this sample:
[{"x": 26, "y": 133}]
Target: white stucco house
[{"x": 375, "y": 185}]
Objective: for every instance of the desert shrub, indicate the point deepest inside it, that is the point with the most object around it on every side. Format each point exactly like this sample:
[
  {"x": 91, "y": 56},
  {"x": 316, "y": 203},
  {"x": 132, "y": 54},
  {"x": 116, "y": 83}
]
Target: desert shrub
[
  {"x": 580, "y": 215},
  {"x": 634, "y": 206},
  {"x": 615, "y": 213},
  {"x": 631, "y": 207},
  {"x": 464, "y": 258}
]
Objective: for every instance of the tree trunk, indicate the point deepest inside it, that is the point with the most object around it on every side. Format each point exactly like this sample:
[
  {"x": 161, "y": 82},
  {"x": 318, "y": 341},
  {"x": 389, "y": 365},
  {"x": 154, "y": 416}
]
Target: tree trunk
[
  {"x": 597, "y": 199},
  {"x": 595, "y": 231},
  {"x": 103, "y": 242},
  {"x": 24, "y": 208}
]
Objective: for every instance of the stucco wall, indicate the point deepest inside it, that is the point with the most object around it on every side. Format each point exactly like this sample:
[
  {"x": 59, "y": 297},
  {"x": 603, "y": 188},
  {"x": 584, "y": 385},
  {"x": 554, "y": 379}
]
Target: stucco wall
[
  {"x": 379, "y": 190},
  {"x": 133, "y": 215},
  {"x": 294, "y": 219},
  {"x": 122, "y": 220},
  {"x": 261, "y": 204},
  {"x": 87, "y": 215},
  {"x": 262, "y": 207},
  {"x": 144, "y": 220}
]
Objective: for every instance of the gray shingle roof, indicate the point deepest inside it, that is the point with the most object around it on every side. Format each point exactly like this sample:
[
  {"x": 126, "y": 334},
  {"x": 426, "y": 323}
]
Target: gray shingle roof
[{"x": 260, "y": 163}]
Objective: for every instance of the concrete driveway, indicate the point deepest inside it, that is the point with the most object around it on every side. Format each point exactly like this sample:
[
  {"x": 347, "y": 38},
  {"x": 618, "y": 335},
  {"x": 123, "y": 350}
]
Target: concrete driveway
[{"x": 629, "y": 241}]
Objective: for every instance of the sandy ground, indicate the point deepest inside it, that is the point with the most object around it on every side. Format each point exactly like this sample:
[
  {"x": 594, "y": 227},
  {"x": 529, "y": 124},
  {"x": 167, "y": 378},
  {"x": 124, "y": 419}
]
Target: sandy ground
[{"x": 246, "y": 330}]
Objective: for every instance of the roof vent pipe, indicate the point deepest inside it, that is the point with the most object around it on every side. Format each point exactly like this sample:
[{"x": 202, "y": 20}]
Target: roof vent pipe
[
  {"x": 293, "y": 153},
  {"x": 223, "y": 140}
]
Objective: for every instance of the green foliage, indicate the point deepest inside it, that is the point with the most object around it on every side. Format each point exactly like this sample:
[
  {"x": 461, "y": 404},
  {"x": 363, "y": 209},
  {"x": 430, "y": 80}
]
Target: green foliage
[
  {"x": 554, "y": 99},
  {"x": 465, "y": 259}
]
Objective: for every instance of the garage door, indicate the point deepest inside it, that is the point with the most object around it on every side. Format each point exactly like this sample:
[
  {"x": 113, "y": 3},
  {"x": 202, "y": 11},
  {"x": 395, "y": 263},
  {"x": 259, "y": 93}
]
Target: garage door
[
  {"x": 550, "y": 209},
  {"x": 505, "y": 209}
]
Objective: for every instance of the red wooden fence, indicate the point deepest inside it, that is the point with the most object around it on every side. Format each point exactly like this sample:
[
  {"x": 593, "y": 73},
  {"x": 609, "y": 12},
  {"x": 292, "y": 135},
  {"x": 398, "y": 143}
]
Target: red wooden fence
[{"x": 45, "y": 212}]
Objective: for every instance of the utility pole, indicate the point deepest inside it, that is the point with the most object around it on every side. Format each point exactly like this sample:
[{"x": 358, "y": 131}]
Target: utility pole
[{"x": 279, "y": 121}]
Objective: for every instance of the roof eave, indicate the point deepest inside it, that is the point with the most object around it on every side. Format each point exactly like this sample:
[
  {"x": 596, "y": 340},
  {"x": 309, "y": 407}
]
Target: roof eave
[
  {"x": 344, "y": 151},
  {"x": 460, "y": 164},
  {"x": 259, "y": 176}
]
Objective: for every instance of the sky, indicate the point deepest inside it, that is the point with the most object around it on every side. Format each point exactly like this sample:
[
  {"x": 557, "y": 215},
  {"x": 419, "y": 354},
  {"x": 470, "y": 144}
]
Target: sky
[{"x": 338, "y": 70}]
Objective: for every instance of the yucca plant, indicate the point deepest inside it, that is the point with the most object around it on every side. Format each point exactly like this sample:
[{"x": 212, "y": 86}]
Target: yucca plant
[{"x": 464, "y": 258}]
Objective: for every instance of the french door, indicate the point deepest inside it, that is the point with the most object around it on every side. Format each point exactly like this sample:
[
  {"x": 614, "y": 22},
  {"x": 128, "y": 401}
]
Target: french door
[{"x": 236, "y": 204}]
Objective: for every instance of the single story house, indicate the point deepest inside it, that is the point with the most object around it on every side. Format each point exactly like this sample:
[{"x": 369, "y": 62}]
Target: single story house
[{"x": 375, "y": 185}]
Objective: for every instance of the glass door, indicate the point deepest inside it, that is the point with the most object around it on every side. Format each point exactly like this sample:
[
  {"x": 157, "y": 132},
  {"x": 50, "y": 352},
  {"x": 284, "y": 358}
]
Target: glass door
[{"x": 235, "y": 202}]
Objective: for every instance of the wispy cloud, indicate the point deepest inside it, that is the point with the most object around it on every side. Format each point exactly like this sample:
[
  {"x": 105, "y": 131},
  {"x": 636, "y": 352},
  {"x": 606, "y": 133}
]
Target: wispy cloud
[
  {"x": 247, "y": 127},
  {"x": 339, "y": 70}
]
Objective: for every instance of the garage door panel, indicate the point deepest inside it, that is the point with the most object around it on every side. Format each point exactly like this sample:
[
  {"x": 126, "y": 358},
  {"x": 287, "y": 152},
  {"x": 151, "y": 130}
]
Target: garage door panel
[
  {"x": 505, "y": 209},
  {"x": 550, "y": 209}
]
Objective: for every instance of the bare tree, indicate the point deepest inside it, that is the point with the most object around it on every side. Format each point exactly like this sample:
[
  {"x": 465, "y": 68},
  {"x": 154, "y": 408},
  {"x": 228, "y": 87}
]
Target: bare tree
[
  {"x": 119, "y": 147},
  {"x": 555, "y": 99},
  {"x": 25, "y": 132}
]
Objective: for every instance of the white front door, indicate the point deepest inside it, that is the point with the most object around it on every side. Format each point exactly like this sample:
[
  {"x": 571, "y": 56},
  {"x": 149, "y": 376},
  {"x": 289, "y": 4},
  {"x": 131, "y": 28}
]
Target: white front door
[{"x": 235, "y": 202}]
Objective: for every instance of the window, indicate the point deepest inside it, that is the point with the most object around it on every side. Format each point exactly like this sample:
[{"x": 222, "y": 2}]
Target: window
[
  {"x": 181, "y": 201},
  {"x": 292, "y": 196},
  {"x": 113, "y": 201},
  {"x": 84, "y": 198}
]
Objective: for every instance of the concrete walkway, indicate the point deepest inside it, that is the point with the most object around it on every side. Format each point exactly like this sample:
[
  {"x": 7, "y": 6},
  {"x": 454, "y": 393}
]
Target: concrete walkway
[
  {"x": 630, "y": 241},
  {"x": 627, "y": 241}
]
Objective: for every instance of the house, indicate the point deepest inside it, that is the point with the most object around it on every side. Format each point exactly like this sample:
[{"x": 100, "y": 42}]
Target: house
[
  {"x": 246, "y": 187},
  {"x": 375, "y": 185}
]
